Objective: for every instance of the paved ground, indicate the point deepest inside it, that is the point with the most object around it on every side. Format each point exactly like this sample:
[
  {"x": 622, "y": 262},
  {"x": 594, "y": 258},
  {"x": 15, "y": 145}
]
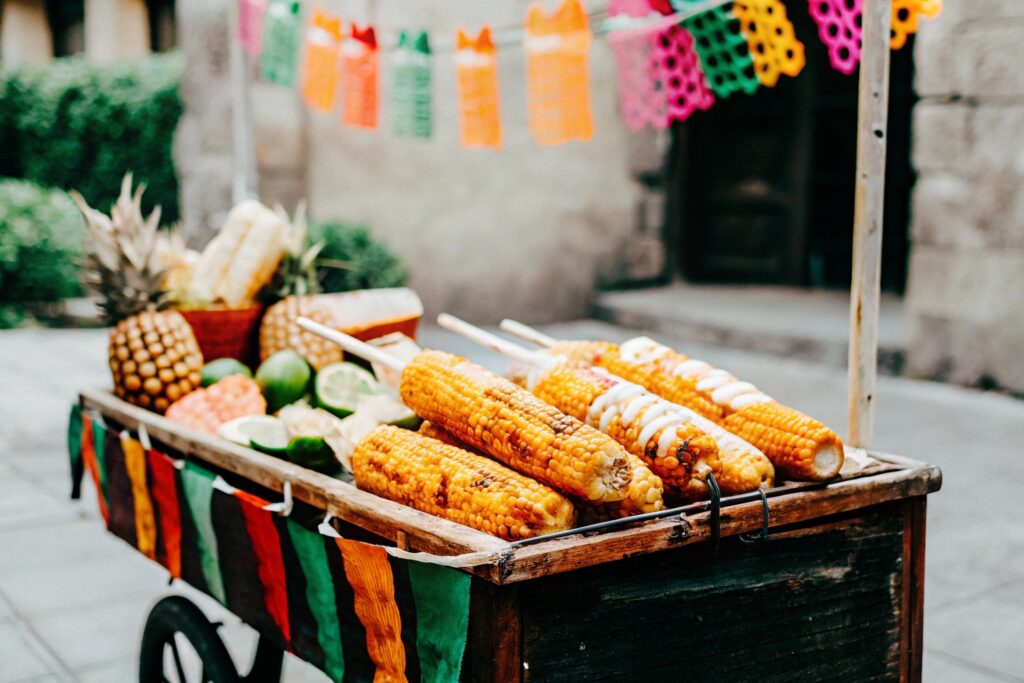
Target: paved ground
[
  {"x": 786, "y": 321},
  {"x": 73, "y": 598}
]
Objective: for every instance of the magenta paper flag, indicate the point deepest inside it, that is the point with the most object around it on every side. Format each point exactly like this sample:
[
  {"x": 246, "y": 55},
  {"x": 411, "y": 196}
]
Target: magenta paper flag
[{"x": 250, "y": 25}]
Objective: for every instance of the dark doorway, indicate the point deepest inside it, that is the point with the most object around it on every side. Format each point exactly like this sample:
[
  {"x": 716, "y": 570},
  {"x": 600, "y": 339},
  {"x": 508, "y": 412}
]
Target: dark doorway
[{"x": 761, "y": 187}]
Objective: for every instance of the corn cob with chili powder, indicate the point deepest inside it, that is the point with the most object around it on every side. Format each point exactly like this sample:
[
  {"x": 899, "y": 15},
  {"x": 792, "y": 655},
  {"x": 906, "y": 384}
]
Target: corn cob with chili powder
[
  {"x": 446, "y": 481},
  {"x": 798, "y": 446},
  {"x": 512, "y": 425}
]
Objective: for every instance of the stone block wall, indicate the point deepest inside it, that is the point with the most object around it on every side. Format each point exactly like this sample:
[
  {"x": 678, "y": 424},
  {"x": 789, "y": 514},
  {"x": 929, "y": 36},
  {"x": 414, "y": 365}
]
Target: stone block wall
[{"x": 965, "y": 295}]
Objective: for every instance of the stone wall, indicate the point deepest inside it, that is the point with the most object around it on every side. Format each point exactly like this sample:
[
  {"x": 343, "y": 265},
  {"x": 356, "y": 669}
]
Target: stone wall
[
  {"x": 965, "y": 294},
  {"x": 525, "y": 231}
]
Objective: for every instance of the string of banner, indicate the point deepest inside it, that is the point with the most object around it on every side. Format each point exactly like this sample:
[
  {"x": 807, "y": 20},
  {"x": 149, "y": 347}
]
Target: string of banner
[{"x": 673, "y": 57}]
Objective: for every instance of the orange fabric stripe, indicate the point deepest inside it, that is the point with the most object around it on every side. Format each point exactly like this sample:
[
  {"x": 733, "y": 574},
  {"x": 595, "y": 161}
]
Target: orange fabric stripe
[
  {"x": 92, "y": 464},
  {"x": 369, "y": 574},
  {"x": 145, "y": 520}
]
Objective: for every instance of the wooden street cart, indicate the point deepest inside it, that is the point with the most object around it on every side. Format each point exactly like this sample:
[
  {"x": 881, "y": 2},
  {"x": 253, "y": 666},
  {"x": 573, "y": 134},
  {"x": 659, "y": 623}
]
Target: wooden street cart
[
  {"x": 803, "y": 582},
  {"x": 834, "y": 591}
]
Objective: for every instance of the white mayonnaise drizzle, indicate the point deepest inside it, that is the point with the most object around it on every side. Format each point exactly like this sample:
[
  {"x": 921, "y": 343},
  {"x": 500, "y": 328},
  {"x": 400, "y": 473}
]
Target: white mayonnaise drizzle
[
  {"x": 642, "y": 350},
  {"x": 725, "y": 390},
  {"x": 652, "y": 427}
]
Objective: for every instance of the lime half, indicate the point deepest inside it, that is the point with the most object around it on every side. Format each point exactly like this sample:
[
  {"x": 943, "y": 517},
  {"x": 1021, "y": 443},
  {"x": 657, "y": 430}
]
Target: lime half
[
  {"x": 241, "y": 429},
  {"x": 340, "y": 386},
  {"x": 269, "y": 436}
]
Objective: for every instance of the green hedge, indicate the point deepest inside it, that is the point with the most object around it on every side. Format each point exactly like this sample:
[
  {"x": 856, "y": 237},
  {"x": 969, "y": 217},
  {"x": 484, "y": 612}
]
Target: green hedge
[
  {"x": 352, "y": 259},
  {"x": 73, "y": 124},
  {"x": 41, "y": 233}
]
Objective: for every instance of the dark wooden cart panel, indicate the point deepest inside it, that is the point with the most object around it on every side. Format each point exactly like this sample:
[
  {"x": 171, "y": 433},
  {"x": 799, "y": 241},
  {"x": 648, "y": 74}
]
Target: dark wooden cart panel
[{"x": 825, "y": 601}]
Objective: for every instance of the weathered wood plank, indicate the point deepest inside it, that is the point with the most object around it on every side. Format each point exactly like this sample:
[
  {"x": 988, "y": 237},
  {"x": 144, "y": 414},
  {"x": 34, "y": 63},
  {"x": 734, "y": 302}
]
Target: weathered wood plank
[
  {"x": 825, "y": 606},
  {"x": 571, "y": 553},
  {"x": 912, "y": 631},
  {"x": 494, "y": 650}
]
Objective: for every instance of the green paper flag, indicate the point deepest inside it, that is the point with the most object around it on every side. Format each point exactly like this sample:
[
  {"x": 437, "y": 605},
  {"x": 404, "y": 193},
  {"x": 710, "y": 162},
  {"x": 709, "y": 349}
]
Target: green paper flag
[
  {"x": 309, "y": 547},
  {"x": 282, "y": 35},
  {"x": 411, "y": 95},
  {"x": 197, "y": 484},
  {"x": 724, "y": 53},
  {"x": 442, "y": 619}
]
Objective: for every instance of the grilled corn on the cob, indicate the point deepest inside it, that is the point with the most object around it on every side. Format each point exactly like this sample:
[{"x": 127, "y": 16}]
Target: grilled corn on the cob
[
  {"x": 680, "y": 446},
  {"x": 446, "y": 481},
  {"x": 645, "y": 492},
  {"x": 798, "y": 446},
  {"x": 509, "y": 423},
  {"x": 675, "y": 448}
]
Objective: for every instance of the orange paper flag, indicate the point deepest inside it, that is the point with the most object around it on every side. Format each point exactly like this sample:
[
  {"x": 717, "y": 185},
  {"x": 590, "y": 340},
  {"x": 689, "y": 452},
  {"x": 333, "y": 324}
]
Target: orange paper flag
[
  {"x": 905, "y": 15},
  {"x": 359, "y": 58},
  {"x": 557, "y": 77},
  {"x": 320, "y": 74},
  {"x": 476, "y": 71}
]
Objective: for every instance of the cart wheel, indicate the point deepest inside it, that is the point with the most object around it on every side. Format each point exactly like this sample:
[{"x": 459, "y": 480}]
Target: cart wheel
[{"x": 180, "y": 645}]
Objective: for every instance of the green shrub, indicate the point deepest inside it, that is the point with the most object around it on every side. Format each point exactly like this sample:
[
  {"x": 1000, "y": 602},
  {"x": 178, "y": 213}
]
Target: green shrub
[
  {"x": 41, "y": 234},
  {"x": 73, "y": 124},
  {"x": 352, "y": 259}
]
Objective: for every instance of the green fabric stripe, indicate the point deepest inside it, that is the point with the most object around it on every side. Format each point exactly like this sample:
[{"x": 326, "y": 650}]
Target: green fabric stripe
[
  {"x": 75, "y": 449},
  {"x": 75, "y": 436},
  {"x": 99, "y": 442},
  {"x": 197, "y": 484},
  {"x": 442, "y": 619},
  {"x": 309, "y": 548}
]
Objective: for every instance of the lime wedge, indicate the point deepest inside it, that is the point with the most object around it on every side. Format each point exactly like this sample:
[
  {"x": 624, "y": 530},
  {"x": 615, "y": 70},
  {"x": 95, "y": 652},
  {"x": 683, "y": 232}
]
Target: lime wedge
[
  {"x": 269, "y": 437},
  {"x": 241, "y": 429},
  {"x": 339, "y": 386},
  {"x": 312, "y": 452}
]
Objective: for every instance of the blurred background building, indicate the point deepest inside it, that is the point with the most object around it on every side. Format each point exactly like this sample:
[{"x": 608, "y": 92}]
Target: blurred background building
[{"x": 758, "y": 191}]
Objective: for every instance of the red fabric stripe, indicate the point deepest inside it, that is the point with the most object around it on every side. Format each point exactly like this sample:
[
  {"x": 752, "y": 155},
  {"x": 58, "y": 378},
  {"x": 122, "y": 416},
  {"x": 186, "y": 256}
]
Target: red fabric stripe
[
  {"x": 164, "y": 490},
  {"x": 267, "y": 547},
  {"x": 93, "y": 465}
]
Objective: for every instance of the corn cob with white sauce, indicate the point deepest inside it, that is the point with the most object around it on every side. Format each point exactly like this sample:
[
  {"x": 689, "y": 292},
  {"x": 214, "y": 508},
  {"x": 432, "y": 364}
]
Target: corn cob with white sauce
[{"x": 798, "y": 446}]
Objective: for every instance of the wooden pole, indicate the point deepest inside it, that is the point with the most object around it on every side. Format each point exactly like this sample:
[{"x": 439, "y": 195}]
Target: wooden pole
[
  {"x": 243, "y": 181},
  {"x": 872, "y": 120}
]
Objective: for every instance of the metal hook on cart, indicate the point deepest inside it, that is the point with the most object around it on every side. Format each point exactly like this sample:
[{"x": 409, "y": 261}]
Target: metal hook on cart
[
  {"x": 763, "y": 536},
  {"x": 716, "y": 514},
  {"x": 284, "y": 508}
]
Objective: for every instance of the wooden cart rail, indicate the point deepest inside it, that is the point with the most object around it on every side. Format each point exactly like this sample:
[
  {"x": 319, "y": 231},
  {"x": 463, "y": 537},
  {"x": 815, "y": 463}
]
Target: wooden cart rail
[{"x": 894, "y": 478}]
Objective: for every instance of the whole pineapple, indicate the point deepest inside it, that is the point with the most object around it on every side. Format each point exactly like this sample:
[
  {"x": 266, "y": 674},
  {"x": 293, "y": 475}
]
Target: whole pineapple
[
  {"x": 296, "y": 283},
  {"x": 280, "y": 331},
  {"x": 154, "y": 357}
]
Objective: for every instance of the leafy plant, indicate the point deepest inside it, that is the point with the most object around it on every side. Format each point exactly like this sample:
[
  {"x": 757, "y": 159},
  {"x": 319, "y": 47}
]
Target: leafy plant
[
  {"x": 72, "y": 124},
  {"x": 351, "y": 259},
  {"x": 40, "y": 242}
]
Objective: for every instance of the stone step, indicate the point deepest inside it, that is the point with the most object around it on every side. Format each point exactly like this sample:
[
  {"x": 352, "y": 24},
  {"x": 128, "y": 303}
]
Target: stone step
[{"x": 795, "y": 323}]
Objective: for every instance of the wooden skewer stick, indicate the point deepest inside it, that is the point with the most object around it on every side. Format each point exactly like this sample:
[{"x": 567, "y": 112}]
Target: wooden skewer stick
[
  {"x": 528, "y": 333},
  {"x": 351, "y": 344},
  {"x": 491, "y": 341}
]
